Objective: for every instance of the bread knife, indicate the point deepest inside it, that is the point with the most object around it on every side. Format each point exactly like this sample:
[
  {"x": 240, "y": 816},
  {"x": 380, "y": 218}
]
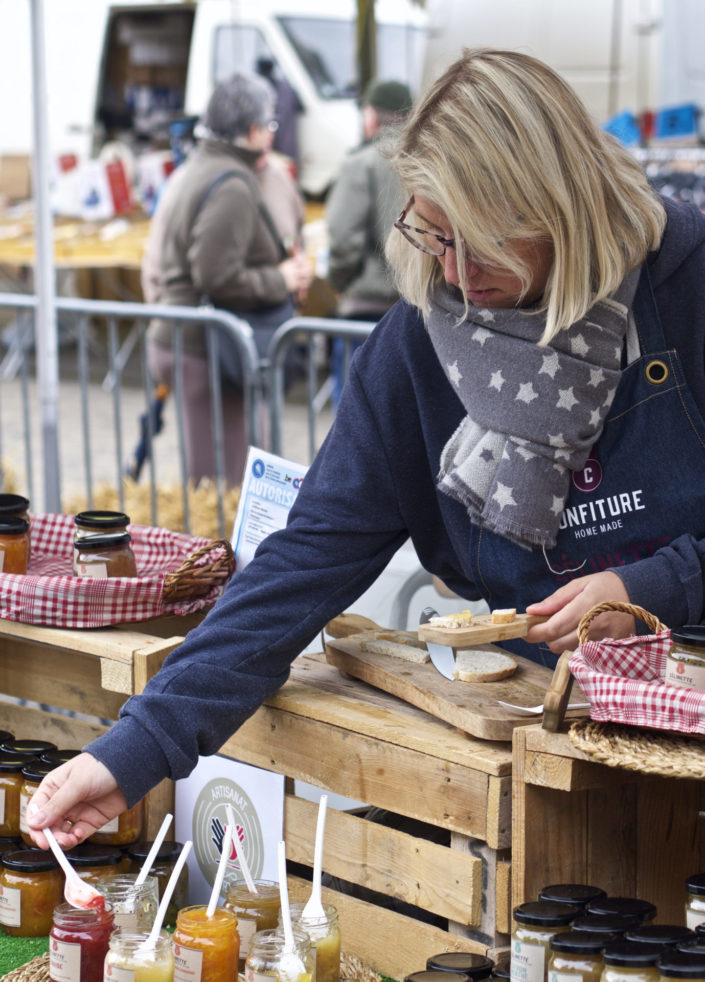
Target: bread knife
[{"x": 442, "y": 655}]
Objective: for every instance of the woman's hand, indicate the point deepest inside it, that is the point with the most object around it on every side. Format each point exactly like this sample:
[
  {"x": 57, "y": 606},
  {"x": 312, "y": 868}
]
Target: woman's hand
[
  {"x": 567, "y": 605},
  {"x": 297, "y": 273},
  {"x": 75, "y": 800}
]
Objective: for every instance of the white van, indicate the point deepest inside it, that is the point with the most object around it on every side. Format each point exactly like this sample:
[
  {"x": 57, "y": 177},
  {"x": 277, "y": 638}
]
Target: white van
[{"x": 124, "y": 71}]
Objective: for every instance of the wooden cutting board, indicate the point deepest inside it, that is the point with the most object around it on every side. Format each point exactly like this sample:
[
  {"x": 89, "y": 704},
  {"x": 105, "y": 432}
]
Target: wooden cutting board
[{"x": 470, "y": 706}]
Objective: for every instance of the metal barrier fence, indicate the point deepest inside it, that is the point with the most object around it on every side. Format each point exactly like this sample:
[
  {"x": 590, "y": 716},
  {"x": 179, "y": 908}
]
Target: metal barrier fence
[{"x": 110, "y": 341}]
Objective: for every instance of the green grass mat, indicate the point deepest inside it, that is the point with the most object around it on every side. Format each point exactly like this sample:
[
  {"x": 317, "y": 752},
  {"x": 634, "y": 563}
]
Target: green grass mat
[{"x": 15, "y": 952}]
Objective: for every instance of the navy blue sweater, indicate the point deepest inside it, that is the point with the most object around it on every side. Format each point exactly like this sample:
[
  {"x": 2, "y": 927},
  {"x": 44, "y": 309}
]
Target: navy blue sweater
[{"x": 371, "y": 486}]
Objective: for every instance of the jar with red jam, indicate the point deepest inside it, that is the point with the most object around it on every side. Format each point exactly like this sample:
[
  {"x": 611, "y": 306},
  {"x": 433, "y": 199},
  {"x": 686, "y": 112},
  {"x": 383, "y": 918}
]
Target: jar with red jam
[
  {"x": 104, "y": 555},
  {"x": 33, "y": 773},
  {"x": 31, "y": 885},
  {"x": 10, "y": 788},
  {"x": 14, "y": 545},
  {"x": 78, "y": 943},
  {"x": 122, "y": 830}
]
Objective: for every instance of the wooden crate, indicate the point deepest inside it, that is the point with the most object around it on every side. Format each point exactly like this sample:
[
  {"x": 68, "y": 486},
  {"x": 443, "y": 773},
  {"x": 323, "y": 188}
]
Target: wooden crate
[
  {"x": 343, "y": 736},
  {"x": 577, "y": 821}
]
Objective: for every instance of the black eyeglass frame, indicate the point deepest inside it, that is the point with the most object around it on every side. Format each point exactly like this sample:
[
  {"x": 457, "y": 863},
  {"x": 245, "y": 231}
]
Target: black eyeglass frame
[{"x": 401, "y": 225}]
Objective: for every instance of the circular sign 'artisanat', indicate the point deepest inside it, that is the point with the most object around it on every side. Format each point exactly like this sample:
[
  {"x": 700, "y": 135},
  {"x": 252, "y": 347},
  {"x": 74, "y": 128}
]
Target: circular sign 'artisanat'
[{"x": 210, "y": 816}]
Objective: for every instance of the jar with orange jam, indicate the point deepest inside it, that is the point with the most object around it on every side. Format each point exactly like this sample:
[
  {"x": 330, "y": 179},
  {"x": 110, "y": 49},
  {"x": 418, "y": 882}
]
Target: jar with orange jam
[
  {"x": 10, "y": 788},
  {"x": 206, "y": 948},
  {"x": 78, "y": 943},
  {"x": 33, "y": 773},
  {"x": 104, "y": 555},
  {"x": 14, "y": 545},
  {"x": 254, "y": 911},
  {"x": 122, "y": 830},
  {"x": 31, "y": 885}
]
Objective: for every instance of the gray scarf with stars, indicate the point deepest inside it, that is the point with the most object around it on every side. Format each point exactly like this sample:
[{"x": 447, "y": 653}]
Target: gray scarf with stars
[{"x": 533, "y": 413}]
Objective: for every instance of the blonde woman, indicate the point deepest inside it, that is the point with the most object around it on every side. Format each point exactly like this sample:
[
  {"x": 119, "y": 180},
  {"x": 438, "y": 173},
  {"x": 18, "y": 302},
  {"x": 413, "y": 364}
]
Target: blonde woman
[{"x": 530, "y": 415}]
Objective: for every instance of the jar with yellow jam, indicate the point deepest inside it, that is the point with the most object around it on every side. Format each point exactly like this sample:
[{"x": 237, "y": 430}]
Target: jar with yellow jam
[
  {"x": 31, "y": 886},
  {"x": 535, "y": 923},
  {"x": 33, "y": 773},
  {"x": 695, "y": 900},
  {"x": 78, "y": 943},
  {"x": 130, "y": 960},
  {"x": 576, "y": 956},
  {"x": 324, "y": 934},
  {"x": 10, "y": 787},
  {"x": 254, "y": 911},
  {"x": 134, "y": 907},
  {"x": 666, "y": 935},
  {"x": 161, "y": 870},
  {"x": 476, "y": 967},
  {"x": 14, "y": 545},
  {"x": 677, "y": 965},
  {"x": 685, "y": 663},
  {"x": 94, "y": 862},
  {"x": 577, "y": 894},
  {"x": 122, "y": 830},
  {"x": 629, "y": 961},
  {"x": 642, "y": 910},
  {"x": 264, "y": 960},
  {"x": 206, "y": 948},
  {"x": 104, "y": 555}
]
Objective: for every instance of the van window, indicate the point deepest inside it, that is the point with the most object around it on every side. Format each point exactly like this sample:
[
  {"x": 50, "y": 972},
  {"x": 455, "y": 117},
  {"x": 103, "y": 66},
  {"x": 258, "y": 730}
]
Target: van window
[{"x": 238, "y": 47}]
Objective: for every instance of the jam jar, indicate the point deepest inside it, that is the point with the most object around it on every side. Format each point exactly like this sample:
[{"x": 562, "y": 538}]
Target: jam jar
[
  {"x": 14, "y": 506},
  {"x": 99, "y": 522},
  {"x": 58, "y": 756},
  {"x": 10, "y": 843},
  {"x": 161, "y": 870},
  {"x": 122, "y": 830},
  {"x": 685, "y": 664},
  {"x": 324, "y": 934},
  {"x": 660, "y": 934},
  {"x": 435, "y": 975},
  {"x": 578, "y": 894},
  {"x": 474, "y": 966},
  {"x": 128, "y": 960},
  {"x": 695, "y": 900},
  {"x": 576, "y": 956},
  {"x": 534, "y": 925},
  {"x": 254, "y": 911},
  {"x": 265, "y": 957},
  {"x": 629, "y": 961},
  {"x": 10, "y": 788},
  {"x": 682, "y": 965},
  {"x": 623, "y": 907},
  {"x": 206, "y": 948},
  {"x": 134, "y": 907},
  {"x": 6, "y": 735},
  {"x": 14, "y": 545},
  {"x": 93, "y": 862},
  {"x": 35, "y": 748},
  {"x": 605, "y": 924},
  {"x": 104, "y": 555},
  {"x": 31, "y": 885},
  {"x": 33, "y": 773},
  {"x": 78, "y": 943}
]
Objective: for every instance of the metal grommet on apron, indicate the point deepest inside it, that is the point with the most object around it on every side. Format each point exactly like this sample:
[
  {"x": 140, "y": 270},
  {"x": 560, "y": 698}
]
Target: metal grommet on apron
[{"x": 656, "y": 371}]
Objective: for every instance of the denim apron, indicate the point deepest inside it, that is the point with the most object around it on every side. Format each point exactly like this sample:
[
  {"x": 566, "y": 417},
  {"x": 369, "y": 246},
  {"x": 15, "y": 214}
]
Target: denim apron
[{"x": 642, "y": 486}]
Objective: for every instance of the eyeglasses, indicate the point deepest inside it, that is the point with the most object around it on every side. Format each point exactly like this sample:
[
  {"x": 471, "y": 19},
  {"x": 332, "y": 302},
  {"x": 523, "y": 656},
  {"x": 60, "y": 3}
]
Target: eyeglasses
[
  {"x": 272, "y": 126},
  {"x": 428, "y": 242}
]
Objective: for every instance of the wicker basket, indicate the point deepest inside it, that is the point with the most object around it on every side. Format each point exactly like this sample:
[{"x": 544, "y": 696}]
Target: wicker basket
[{"x": 200, "y": 572}]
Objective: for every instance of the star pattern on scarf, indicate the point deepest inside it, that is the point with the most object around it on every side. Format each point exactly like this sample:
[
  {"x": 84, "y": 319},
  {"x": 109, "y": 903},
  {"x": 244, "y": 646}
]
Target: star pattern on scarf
[
  {"x": 454, "y": 374},
  {"x": 487, "y": 455},
  {"x": 549, "y": 365},
  {"x": 481, "y": 335},
  {"x": 497, "y": 381},
  {"x": 595, "y": 417},
  {"x": 566, "y": 399},
  {"x": 557, "y": 505},
  {"x": 526, "y": 393},
  {"x": 597, "y": 376},
  {"x": 486, "y": 315},
  {"x": 503, "y": 496},
  {"x": 579, "y": 346},
  {"x": 556, "y": 440}
]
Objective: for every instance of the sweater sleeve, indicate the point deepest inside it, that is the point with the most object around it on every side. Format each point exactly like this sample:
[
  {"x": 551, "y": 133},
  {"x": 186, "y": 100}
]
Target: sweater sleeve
[
  {"x": 342, "y": 531},
  {"x": 348, "y": 220},
  {"x": 669, "y": 584}
]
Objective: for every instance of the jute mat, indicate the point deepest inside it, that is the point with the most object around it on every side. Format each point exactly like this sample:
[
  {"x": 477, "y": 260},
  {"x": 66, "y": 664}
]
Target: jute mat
[
  {"x": 635, "y": 749},
  {"x": 351, "y": 970}
]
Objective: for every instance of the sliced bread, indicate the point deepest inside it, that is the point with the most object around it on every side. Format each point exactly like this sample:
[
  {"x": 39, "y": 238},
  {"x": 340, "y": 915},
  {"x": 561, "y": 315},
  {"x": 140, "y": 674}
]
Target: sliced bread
[
  {"x": 484, "y": 663},
  {"x": 397, "y": 649}
]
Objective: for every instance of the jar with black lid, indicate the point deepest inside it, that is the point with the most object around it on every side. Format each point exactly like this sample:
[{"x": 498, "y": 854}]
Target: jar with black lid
[
  {"x": 629, "y": 961},
  {"x": 91, "y": 862},
  {"x": 579, "y": 894},
  {"x": 161, "y": 869},
  {"x": 682, "y": 965},
  {"x": 472, "y": 965},
  {"x": 33, "y": 773},
  {"x": 10, "y": 787},
  {"x": 10, "y": 843},
  {"x": 32, "y": 886},
  {"x": 661, "y": 934},
  {"x": 436, "y": 975},
  {"x": 33, "y": 747},
  {"x": 695, "y": 900},
  {"x": 535, "y": 923},
  {"x": 94, "y": 522},
  {"x": 501, "y": 969},
  {"x": 14, "y": 505},
  {"x": 58, "y": 756},
  {"x": 685, "y": 664},
  {"x": 6, "y": 735},
  {"x": 623, "y": 907},
  {"x": 605, "y": 924},
  {"x": 14, "y": 545},
  {"x": 104, "y": 555},
  {"x": 577, "y": 955}
]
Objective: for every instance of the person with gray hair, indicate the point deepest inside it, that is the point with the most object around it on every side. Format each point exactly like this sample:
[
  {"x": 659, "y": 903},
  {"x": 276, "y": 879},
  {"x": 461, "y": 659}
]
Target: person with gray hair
[{"x": 213, "y": 240}]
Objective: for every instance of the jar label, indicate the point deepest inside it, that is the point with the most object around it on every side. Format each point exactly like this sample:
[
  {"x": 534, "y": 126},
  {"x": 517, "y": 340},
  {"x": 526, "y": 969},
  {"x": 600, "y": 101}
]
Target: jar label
[
  {"x": 24, "y": 801},
  {"x": 2, "y": 806},
  {"x": 2, "y": 559},
  {"x": 188, "y": 964},
  {"x": 113, "y": 973},
  {"x": 246, "y": 927},
  {"x": 528, "y": 962},
  {"x": 10, "y": 898},
  {"x": 96, "y": 571},
  {"x": 111, "y": 827},
  {"x": 693, "y": 918},
  {"x": 64, "y": 961},
  {"x": 683, "y": 674},
  {"x": 565, "y": 977}
]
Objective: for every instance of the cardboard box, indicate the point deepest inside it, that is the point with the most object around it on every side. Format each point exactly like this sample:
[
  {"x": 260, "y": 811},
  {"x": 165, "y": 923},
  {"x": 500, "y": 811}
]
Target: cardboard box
[{"x": 16, "y": 176}]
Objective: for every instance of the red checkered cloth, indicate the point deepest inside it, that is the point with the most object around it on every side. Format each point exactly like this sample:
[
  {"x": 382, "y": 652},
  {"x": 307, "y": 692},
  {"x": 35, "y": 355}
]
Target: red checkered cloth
[
  {"x": 50, "y": 594},
  {"x": 623, "y": 680}
]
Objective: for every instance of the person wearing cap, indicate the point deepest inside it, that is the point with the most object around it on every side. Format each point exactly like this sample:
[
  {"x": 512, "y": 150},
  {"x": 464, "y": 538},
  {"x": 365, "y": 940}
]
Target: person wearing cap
[
  {"x": 214, "y": 240},
  {"x": 361, "y": 208}
]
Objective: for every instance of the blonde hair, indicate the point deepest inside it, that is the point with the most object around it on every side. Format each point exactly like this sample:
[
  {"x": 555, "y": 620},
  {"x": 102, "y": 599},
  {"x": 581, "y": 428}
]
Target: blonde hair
[{"x": 503, "y": 147}]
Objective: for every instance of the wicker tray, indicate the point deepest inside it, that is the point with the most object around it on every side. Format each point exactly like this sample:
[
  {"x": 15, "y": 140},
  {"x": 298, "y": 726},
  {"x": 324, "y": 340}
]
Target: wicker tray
[
  {"x": 639, "y": 750},
  {"x": 177, "y": 574}
]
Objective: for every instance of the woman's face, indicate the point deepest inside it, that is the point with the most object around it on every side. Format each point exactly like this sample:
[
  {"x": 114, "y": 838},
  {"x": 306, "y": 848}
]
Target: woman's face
[{"x": 490, "y": 286}]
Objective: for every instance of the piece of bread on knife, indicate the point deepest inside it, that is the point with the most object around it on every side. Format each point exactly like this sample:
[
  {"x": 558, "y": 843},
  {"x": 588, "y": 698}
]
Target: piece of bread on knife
[{"x": 408, "y": 649}]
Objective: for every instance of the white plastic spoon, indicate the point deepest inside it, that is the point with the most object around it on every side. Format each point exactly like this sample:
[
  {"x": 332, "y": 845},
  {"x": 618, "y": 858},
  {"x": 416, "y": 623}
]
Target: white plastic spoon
[
  {"x": 220, "y": 873},
  {"x": 241, "y": 852},
  {"x": 77, "y": 892},
  {"x": 313, "y": 911},
  {"x": 151, "y": 941},
  {"x": 535, "y": 710},
  {"x": 291, "y": 967},
  {"x": 152, "y": 854}
]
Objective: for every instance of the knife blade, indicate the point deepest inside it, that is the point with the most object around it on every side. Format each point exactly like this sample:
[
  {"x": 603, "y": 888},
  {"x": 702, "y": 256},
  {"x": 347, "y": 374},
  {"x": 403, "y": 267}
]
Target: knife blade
[{"x": 442, "y": 656}]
